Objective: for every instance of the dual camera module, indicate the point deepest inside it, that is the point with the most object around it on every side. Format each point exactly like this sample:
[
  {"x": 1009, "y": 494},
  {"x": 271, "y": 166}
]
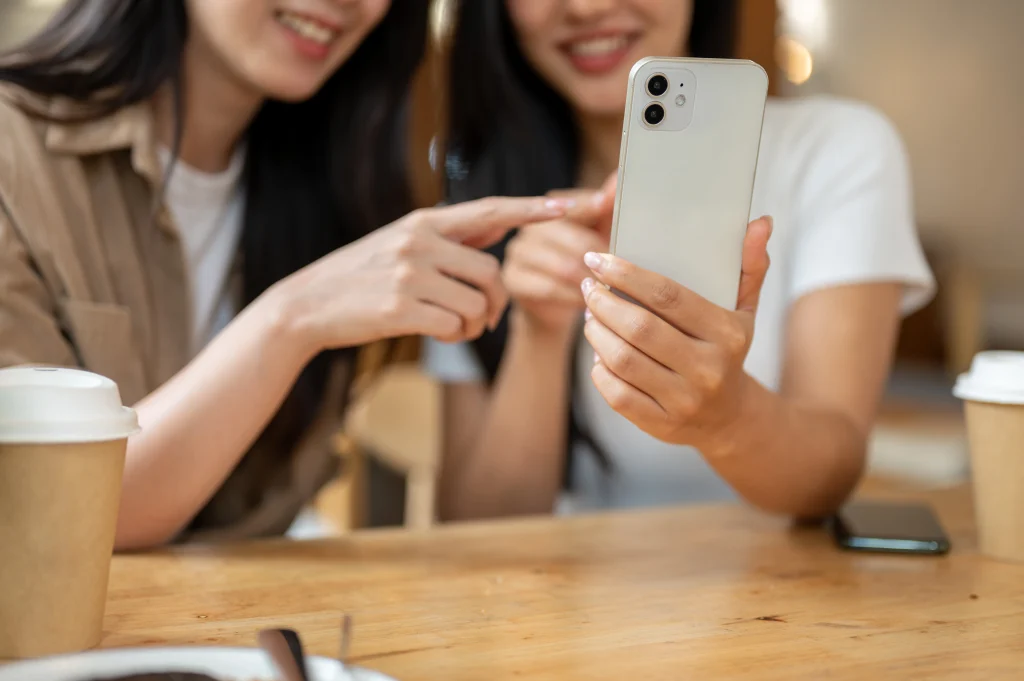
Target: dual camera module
[{"x": 657, "y": 86}]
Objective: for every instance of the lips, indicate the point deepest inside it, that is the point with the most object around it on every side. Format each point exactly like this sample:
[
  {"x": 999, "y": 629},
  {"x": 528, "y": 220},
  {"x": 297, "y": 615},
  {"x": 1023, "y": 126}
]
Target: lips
[
  {"x": 312, "y": 37},
  {"x": 599, "y": 54}
]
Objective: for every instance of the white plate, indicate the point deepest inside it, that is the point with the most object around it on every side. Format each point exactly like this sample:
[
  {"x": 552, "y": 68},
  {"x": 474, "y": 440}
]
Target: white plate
[{"x": 227, "y": 664}]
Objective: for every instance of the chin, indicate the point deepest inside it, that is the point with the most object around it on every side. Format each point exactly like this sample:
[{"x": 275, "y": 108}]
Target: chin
[
  {"x": 600, "y": 103},
  {"x": 291, "y": 90}
]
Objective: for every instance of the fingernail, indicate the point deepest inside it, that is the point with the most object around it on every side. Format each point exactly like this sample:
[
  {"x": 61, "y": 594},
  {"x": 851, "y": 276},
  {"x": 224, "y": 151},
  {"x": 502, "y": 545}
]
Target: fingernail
[
  {"x": 559, "y": 206},
  {"x": 598, "y": 199},
  {"x": 587, "y": 314},
  {"x": 594, "y": 261},
  {"x": 587, "y": 285},
  {"x": 771, "y": 224}
]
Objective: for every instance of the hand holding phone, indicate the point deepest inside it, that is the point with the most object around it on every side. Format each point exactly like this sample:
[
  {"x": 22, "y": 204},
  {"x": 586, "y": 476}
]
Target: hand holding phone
[
  {"x": 666, "y": 358},
  {"x": 687, "y": 269}
]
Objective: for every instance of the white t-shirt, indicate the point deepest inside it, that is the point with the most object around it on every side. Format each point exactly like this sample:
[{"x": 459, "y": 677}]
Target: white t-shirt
[
  {"x": 834, "y": 176},
  {"x": 207, "y": 209}
]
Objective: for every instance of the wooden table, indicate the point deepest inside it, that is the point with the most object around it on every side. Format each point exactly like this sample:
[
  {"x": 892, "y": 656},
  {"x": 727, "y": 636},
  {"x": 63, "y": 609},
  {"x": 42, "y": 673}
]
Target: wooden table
[{"x": 699, "y": 593}]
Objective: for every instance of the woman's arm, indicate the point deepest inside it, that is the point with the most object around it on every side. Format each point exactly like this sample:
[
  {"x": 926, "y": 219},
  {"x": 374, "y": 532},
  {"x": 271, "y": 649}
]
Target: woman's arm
[
  {"x": 801, "y": 451},
  {"x": 675, "y": 370},
  {"x": 197, "y": 426},
  {"x": 504, "y": 448},
  {"x": 402, "y": 280}
]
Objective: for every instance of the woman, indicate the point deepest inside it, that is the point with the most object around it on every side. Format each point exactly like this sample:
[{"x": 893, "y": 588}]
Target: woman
[
  {"x": 705, "y": 408},
  {"x": 152, "y": 151}
]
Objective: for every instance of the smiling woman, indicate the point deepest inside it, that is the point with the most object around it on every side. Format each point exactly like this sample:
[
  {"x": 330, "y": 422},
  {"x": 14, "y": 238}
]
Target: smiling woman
[
  {"x": 287, "y": 49},
  {"x": 659, "y": 402},
  {"x": 208, "y": 201}
]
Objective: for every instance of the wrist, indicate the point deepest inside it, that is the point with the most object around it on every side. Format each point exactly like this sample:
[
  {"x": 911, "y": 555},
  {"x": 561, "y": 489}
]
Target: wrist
[
  {"x": 280, "y": 320},
  {"x": 524, "y": 327},
  {"x": 733, "y": 435}
]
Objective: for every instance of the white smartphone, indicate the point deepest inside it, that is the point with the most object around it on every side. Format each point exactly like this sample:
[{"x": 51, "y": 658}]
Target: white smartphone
[{"x": 690, "y": 141}]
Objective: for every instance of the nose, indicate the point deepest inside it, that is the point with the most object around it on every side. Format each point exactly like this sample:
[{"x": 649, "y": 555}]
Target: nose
[{"x": 587, "y": 10}]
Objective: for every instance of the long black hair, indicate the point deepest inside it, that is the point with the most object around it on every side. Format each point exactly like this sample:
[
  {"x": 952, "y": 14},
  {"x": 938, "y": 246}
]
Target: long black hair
[
  {"x": 510, "y": 133},
  {"x": 319, "y": 173}
]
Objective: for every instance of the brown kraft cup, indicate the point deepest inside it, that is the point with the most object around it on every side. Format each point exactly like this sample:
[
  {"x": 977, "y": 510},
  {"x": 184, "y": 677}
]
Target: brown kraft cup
[
  {"x": 63, "y": 436},
  {"x": 993, "y": 394}
]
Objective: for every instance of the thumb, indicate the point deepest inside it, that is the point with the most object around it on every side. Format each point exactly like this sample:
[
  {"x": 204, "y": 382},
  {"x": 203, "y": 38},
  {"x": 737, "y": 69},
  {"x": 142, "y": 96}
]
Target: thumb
[{"x": 755, "y": 263}]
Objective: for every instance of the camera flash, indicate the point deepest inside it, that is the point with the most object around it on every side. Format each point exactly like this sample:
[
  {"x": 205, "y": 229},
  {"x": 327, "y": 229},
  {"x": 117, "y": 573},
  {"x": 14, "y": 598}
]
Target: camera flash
[{"x": 680, "y": 100}]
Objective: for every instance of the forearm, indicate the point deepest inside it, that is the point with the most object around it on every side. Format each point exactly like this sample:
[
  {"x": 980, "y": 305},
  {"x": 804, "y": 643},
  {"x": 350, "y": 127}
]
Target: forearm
[
  {"x": 197, "y": 426},
  {"x": 515, "y": 462},
  {"x": 787, "y": 456}
]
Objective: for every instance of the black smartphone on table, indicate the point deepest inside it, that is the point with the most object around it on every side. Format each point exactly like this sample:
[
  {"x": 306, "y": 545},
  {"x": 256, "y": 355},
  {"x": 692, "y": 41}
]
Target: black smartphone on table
[{"x": 889, "y": 528}]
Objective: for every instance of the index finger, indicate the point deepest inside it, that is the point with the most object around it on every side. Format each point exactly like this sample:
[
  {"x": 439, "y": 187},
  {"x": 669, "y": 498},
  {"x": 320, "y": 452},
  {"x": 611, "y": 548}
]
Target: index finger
[
  {"x": 590, "y": 207},
  {"x": 484, "y": 222}
]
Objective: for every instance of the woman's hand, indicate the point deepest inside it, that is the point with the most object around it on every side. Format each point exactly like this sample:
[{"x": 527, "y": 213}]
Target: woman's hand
[
  {"x": 420, "y": 275},
  {"x": 675, "y": 369},
  {"x": 544, "y": 267}
]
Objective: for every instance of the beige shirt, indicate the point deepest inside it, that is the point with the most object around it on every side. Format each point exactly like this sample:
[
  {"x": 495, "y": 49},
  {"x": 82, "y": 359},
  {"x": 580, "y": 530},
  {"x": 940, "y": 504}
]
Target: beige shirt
[{"x": 92, "y": 275}]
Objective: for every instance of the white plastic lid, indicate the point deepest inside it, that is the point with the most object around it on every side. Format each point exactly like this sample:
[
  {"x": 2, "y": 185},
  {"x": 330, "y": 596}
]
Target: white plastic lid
[
  {"x": 45, "y": 404},
  {"x": 996, "y": 376}
]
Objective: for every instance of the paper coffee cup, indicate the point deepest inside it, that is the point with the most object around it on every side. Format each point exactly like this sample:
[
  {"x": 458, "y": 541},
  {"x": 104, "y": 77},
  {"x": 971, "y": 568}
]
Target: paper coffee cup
[
  {"x": 63, "y": 435},
  {"x": 993, "y": 394}
]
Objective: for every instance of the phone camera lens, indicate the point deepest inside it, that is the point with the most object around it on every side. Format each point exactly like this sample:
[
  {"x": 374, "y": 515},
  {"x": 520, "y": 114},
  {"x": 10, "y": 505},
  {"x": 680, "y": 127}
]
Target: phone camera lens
[
  {"x": 654, "y": 114},
  {"x": 657, "y": 85}
]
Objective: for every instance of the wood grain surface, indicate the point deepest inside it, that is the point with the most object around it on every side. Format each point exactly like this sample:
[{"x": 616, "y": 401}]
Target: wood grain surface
[{"x": 693, "y": 593}]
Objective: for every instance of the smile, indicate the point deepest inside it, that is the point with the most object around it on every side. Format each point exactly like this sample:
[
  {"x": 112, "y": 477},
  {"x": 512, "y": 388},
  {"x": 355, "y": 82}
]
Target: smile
[
  {"x": 599, "y": 54},
  {"x": 599, "y": 47},
  {"x": 308, "y": 28}
]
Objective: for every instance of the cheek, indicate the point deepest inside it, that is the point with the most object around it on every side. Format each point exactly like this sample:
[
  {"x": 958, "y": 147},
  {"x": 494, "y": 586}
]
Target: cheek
[
  {"x": 669, "y": 22},
  {"x": 232, "y": 30},
  {"x": 225, "y": 20},
  {"x": 529, "y": 15},
  {"x": 373, "y": 12},
  {"x": 533, "y": 22}
]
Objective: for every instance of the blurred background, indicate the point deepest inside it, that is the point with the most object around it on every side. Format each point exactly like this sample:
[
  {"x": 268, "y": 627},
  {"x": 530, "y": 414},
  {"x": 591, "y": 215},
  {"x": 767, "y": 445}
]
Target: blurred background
[{"x": 945, "y": 72}]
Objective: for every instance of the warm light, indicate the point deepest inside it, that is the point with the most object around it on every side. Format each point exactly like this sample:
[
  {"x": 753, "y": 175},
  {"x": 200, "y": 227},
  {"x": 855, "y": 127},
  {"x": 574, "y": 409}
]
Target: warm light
[
  {"x": 795, "y": 60},
  {"x": 805, "y": 19}
]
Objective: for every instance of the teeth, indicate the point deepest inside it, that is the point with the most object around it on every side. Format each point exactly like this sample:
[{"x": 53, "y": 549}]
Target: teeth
[
  {"x": 599, "y": 46},
  {"x": 307, "y": 28}
]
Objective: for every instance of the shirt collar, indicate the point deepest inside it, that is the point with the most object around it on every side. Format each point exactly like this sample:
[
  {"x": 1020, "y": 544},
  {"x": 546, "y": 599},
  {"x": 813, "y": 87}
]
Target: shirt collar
[{"x": 131, "y": 127}]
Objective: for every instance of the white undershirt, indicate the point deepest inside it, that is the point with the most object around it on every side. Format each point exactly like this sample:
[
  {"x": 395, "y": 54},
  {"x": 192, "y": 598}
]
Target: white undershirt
[
  {"x": 835, "y": 177},
  {"x": 208, "y": 209}
]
